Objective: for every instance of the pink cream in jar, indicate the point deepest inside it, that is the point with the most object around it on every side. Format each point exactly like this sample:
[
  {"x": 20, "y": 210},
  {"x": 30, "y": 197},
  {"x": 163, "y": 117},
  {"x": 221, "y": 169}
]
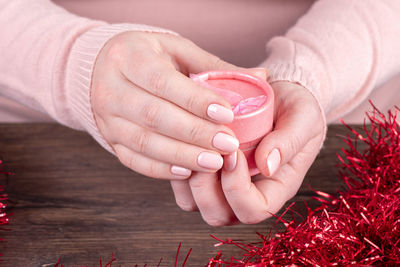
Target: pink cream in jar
[{"x": 252, "y": 102}]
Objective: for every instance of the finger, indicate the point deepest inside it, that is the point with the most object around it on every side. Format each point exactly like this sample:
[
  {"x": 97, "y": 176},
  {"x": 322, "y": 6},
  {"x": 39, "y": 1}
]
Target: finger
[
  {"x": 209, "y": 198},
  {"x": 183, "y": 195},
  {"x": 150, "y": 167},
  {"x": 248, "y": 203},
  {"x": 285, "y": 183},
  {"x": 162, "y": 148},
  {"x": 167, "y": 119},
  {"x": 295, "y": 126},
  {"x": 160, "y": 78}
]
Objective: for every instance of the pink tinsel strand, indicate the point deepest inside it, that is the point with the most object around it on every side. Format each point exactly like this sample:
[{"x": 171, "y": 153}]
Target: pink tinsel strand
[{"x": 360, "y": 225}]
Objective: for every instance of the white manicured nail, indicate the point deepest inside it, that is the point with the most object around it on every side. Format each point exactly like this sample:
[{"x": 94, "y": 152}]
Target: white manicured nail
[
  {"x": 220, "y": 113},
  {"x": 230, "y": 161},
  {"x": 180, "y": 171},
  {"x": 273, "y": 161},
  {"x": 211, "y": 161},
  {"x": 225, "y": 142}
]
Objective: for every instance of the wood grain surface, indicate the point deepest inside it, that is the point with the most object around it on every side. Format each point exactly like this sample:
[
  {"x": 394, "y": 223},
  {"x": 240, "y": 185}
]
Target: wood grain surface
[{"x": 73, "y": 200}]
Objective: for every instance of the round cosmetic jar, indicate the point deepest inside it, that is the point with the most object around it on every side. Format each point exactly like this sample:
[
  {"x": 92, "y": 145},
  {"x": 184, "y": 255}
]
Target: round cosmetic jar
[{"x": 252, "y": 101}]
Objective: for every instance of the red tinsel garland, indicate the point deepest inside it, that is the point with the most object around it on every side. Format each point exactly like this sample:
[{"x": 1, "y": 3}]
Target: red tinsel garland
[
  {"x": 4, "y": 216},
  {"x": 358, "y": 226},
  {"x": 111, "y": 261}
]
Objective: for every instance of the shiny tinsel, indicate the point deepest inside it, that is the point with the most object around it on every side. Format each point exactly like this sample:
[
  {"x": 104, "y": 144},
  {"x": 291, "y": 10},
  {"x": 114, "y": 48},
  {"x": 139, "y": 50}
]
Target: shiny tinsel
[
  {"x": 357, "y": 226},
  {"x": 4, "y": 216}
]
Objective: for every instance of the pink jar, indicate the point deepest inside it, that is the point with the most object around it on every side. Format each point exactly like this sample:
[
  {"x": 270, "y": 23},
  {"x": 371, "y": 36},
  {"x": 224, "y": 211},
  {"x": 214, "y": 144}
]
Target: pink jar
[{"x": 252, "y": 100}]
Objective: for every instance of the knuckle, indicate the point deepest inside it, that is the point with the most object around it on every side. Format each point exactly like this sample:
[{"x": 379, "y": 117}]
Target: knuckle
[
  {"x": 179, "y": 155},
  {"x": 140, "y": 140},
  {"x": 294, "y": 144},
  {"x": 151, "y": 116},
  {"x": 191, "y": 102},
  {"x": 196, "y": 133},
  {"x": 157, "y": 82},
  {"x": 126, "y": 159},
  {"x": 153, "y": 170},
  {"x": 130, "y": 162}
]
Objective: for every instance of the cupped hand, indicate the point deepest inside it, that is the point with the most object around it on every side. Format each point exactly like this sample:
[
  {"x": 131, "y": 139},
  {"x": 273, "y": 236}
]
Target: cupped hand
[
  {"x": 283, "y": 156},
  {"x": 158, "y": 121}
]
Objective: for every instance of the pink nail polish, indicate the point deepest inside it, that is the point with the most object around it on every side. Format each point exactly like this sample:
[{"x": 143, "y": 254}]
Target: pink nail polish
[
  {"x": 220, "y": 113},
  {"x": 252, "y": 102},
  {"x": 210, "y": 160},
  {"x": 230, "y": 162},
  {"x": 225, "y": 142},
  {"x": 180, "y": 171},
  {"x": 273, "y": 161}
]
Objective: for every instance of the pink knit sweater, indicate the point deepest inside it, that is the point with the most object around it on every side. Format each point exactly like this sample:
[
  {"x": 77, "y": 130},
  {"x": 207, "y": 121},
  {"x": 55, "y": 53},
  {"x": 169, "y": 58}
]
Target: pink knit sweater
[{"x": 343, "y": 51}]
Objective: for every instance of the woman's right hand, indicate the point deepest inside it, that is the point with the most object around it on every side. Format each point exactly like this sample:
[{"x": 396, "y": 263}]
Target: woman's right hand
[{"x": 158, "y": 121}]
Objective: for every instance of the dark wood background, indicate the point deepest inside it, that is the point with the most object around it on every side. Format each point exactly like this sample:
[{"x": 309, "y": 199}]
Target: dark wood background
[{"x": 72, "y": 200}]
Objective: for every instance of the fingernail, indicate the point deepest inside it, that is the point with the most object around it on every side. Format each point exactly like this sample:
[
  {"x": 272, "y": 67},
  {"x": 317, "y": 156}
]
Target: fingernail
[
  {"x": 180, "y": 171},
  {"x": 220, "y": 113},
  {"x": 230, "y": 161},
  {"x": 225, "y": 142},
  {"x": 273, "y": 161},
  {"x": 210, "y": 161}
]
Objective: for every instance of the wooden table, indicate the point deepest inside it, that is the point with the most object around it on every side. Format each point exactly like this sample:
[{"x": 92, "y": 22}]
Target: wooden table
[{"x": 72, "y": 200}]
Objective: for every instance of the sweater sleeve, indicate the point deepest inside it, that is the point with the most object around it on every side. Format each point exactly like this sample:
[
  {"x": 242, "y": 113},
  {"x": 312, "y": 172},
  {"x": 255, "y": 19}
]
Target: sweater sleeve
[
  {"x": 340, "y": 50},
  {"x": 47, "y": 58}
]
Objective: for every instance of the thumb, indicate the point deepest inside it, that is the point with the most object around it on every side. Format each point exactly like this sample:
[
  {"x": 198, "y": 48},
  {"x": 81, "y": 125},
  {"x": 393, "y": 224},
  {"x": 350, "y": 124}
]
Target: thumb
[{"x": 297, "y": 123}]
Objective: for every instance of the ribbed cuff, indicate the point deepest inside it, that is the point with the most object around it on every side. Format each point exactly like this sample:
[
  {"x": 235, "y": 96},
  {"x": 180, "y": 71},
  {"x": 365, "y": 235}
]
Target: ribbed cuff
[
  {"x": 80, "y": 70},
  {"x": 291, "y": 73}
]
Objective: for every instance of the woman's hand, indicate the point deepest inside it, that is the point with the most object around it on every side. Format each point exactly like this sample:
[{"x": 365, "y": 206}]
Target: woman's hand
[
  {"x": 283, "y": 156},
  {"x": 159, "y": 122}
]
